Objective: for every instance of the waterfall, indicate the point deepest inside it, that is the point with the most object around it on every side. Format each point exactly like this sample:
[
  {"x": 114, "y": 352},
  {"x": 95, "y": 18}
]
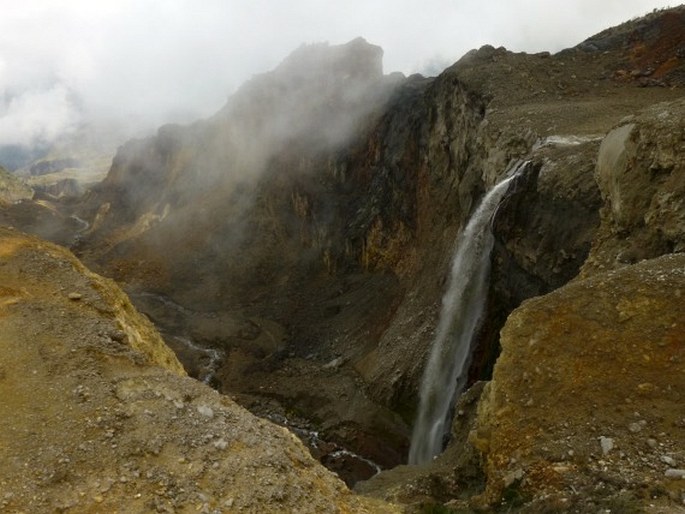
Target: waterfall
[{"x": 462, "y": 308}]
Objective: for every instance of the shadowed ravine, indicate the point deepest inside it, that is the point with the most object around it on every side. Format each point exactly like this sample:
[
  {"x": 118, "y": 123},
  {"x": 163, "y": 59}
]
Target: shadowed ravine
[{"x": 460, "y": 316}]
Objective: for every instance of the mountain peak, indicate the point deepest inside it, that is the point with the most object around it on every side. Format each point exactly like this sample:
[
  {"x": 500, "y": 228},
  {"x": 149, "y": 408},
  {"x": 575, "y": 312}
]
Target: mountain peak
[{"x": 356, "y": 59}]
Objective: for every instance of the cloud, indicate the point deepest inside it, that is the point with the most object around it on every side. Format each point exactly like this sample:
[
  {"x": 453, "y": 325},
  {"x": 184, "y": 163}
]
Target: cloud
[
  {"x": 37, "y": 116},
  {"x": 141, "y": 63}
]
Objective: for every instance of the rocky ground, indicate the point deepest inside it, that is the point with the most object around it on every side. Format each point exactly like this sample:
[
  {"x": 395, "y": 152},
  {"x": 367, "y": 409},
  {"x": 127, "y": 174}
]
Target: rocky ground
[
  {"x": 98, "y": 415},
  {"x": 595, "y": 419}
]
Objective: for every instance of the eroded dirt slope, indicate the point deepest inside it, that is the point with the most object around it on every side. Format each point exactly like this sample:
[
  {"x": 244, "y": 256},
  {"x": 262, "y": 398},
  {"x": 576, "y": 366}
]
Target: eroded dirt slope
[{"x": 97, "y": 414}]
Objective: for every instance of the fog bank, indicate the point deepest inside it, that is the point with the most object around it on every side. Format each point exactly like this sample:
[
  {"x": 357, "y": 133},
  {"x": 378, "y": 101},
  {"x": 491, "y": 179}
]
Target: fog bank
[{"x": 139, "y": 64}]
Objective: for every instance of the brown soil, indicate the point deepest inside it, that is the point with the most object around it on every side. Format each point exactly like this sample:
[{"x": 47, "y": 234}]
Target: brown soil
[{"x": 97, "y": 415}]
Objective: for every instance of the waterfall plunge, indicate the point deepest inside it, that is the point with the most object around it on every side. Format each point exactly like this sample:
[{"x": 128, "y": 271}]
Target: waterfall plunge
[{"x": 462, "y": 308}]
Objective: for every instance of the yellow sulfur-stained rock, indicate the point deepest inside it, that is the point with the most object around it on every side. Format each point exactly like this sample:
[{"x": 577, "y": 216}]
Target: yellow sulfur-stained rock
[
  {"x": 97, "y": 414},
  {"x": 587, "y": 376}
]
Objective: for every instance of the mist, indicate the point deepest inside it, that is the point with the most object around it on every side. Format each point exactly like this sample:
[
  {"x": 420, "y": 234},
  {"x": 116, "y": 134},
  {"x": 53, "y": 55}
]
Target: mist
[{"x": 134, "y": 65}]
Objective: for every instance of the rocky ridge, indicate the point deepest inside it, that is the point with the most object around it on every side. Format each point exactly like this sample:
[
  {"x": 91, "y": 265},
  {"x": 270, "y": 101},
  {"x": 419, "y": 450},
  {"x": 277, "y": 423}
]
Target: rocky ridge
[{"x": 98, "y": 415}]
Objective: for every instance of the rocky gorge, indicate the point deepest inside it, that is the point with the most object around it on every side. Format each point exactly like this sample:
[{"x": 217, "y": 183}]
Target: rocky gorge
[{"x": 293, "y": 250}]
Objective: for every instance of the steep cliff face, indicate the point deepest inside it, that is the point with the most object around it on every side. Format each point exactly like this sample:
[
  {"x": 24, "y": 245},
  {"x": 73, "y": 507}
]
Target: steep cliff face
[
  {"x": 98, "y": 415},
  {"x": 315, "y": 216},
  {"x": 237, "y": 191},
  {"x": 586, "y": 389},
  {"x": 317, "y": 237}
]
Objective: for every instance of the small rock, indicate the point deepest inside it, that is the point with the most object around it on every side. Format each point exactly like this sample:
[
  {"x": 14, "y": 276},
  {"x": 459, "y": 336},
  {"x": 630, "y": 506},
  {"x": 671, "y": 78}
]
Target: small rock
[
  {"x": 117, "y": 335},
  {"x": 334, "y": 364},
  {"x": 607, "y": 444},
  {"x": 513, "y": 476},
  {"x": 636, "y": 427},
  {"x": 668, "y": 460},
  {"x": 221, "y": 444},
  {"x": 205, "y": 411},
  {"x": 675, "y": 473},
  {"x": 651, "y": 443},
  {"x": 75, "y": 296}
]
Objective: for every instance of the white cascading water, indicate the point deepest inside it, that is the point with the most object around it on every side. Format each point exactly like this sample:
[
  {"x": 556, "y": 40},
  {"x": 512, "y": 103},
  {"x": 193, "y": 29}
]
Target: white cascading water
[{"x": 460, "y": 316}]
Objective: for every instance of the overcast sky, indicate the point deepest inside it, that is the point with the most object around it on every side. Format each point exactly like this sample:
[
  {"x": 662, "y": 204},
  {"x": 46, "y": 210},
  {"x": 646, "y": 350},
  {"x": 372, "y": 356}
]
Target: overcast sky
[{"x": 147, "y": 62}]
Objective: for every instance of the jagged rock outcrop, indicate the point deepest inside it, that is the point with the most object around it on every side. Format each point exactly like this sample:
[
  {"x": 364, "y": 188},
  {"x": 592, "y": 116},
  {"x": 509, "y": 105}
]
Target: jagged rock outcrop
[
  {"x": 98, "y": 415},
  {"x": 585, "y": 406},
  {"x": 262, "y": 167}
]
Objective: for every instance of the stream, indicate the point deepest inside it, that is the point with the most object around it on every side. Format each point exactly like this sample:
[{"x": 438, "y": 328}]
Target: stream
[
  {"x": 203, "y": 363},
  {"x": 349, "y": 466}
]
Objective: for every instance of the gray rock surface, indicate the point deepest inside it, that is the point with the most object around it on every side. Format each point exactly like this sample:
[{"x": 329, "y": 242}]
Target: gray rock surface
[{"x": 641, "y": 174}]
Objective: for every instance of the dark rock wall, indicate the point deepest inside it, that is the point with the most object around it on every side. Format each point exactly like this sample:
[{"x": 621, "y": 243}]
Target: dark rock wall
[
  {"x": 253, "y": 213},
  {"x": 327, "y": 197}
]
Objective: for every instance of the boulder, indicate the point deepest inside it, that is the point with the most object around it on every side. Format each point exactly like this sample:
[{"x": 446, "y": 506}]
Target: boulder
[{"x": 641, "y": 174}]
